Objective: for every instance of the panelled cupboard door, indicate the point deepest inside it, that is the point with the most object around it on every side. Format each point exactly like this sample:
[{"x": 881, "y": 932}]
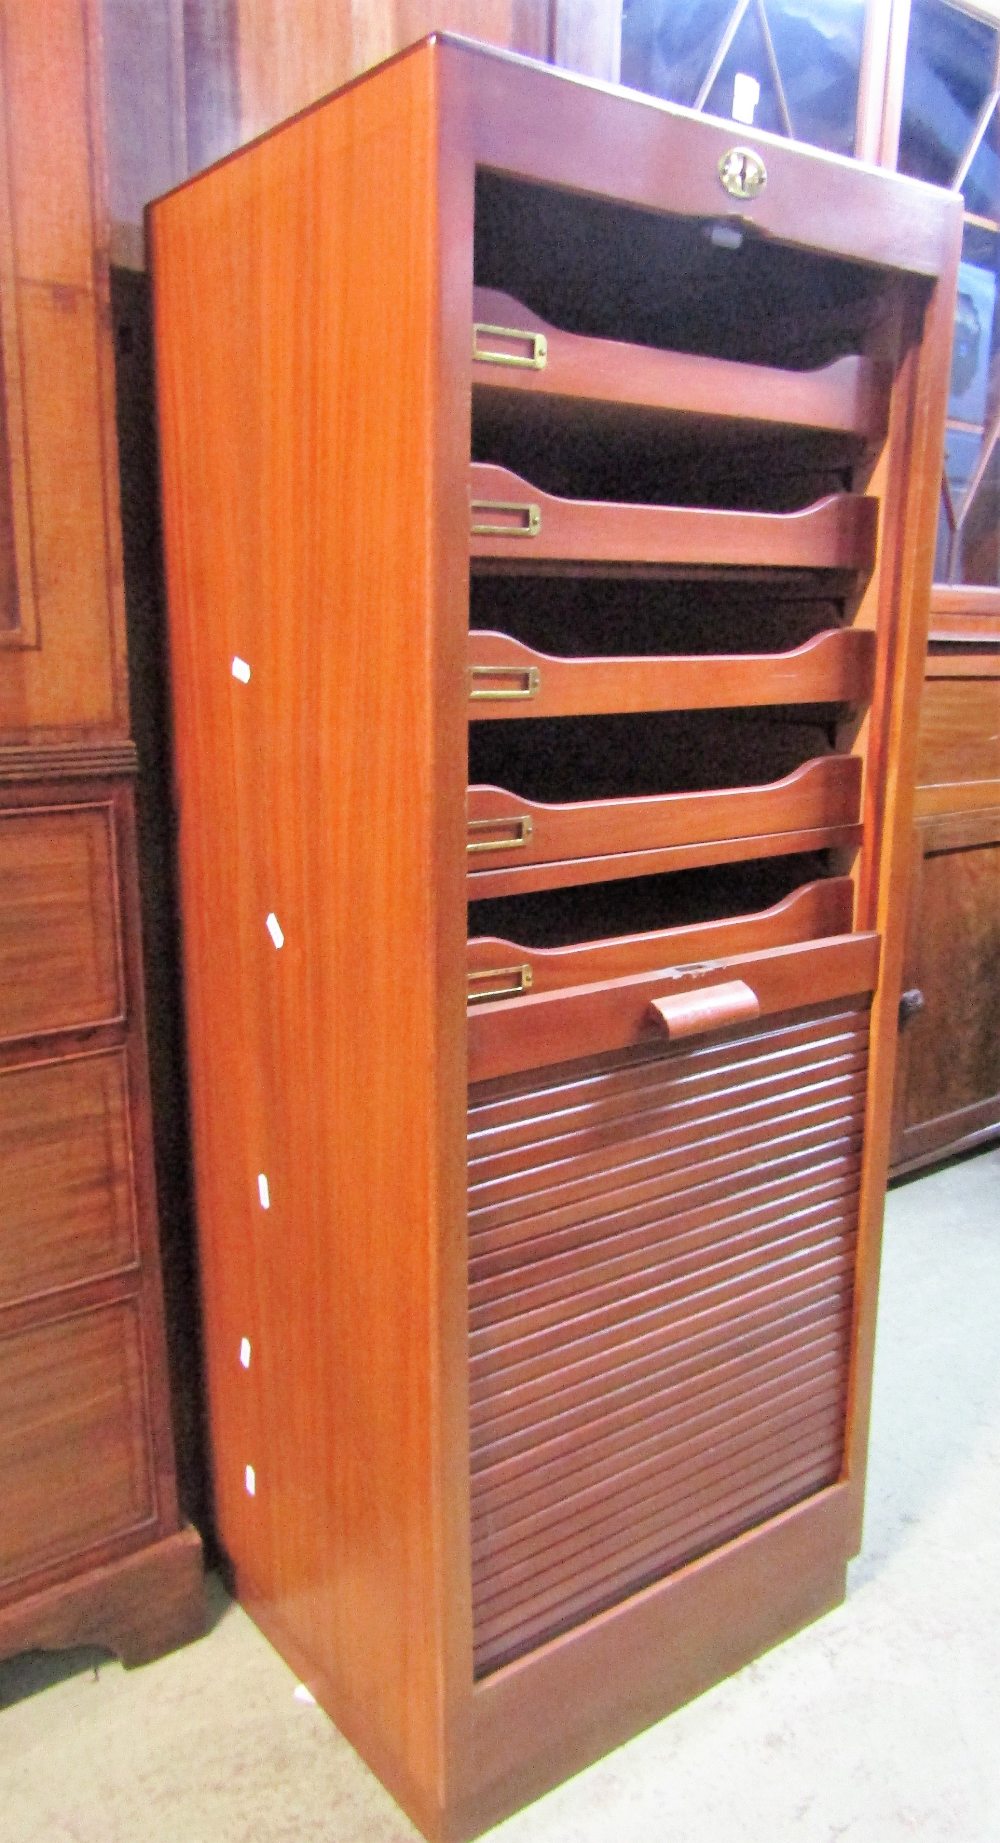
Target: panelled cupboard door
[
  {"x": 948, "y": 1076},
  {"x": 62, "y": 656},
  {"x": 92, "y": 1547}
]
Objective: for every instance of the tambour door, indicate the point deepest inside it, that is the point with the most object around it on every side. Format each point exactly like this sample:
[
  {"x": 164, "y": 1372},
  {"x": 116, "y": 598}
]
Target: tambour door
[{"x": 662, "y": 1236}]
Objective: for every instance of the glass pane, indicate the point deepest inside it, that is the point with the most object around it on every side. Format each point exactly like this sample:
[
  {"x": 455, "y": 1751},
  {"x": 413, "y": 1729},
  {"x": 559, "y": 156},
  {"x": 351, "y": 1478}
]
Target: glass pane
[
  {"x": 968, "y": 553},
  {"x": 668, "y": 47},
  {"x": 977, "y": 325},
  {"x": 950, "y": 61},
  {"x": 975, "y": 556},
  {"x": 981, "y": 187}
]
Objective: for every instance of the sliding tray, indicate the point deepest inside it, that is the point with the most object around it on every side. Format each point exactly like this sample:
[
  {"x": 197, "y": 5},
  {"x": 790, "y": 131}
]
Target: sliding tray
[
  {"x": 501, "y": 968},
  {"x": 511, "y": 1034},
  {"x": 512, "y": 523},
  {"x": 503, "y": 828},
  {"x": 508, "y": 679},
  {"x": 515, "y": 352}
]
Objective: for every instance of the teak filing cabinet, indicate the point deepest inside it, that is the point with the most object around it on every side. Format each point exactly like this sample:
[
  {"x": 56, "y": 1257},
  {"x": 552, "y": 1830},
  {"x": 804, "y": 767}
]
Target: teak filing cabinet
[{"x": 550, "y": 482}]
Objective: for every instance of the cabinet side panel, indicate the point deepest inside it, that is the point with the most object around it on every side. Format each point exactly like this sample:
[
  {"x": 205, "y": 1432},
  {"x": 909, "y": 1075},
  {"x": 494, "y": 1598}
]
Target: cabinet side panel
[{"x": 300, "y": 542}]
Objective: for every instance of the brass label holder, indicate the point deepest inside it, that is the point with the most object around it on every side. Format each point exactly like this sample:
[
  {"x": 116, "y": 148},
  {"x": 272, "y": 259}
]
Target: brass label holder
[
  {"x": 535, "y": 359},
  {"x": 518, "y": 979},
  {"x": 528, "y": 687},
  {"x": 522, "y": 828},
  {"x": 530, "y": 516}
]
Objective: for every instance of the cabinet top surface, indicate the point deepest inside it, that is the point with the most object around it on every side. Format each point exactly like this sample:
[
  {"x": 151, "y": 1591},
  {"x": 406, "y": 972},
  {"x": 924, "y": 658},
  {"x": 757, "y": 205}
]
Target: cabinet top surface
[{"x": 515, "y": 114}]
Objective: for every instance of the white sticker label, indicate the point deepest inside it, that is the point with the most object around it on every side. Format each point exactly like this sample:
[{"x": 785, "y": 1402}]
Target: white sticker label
[
  {"x": 746, "y": 96},
  {"x": 273, "y": 927},
  {"x": 263, "y": 1191},
  {"x": 241, "y": 670},
  {"x": 245, "y": 1352},
  {"x": 250, "y": 1480},
  {"x": 302, "y": 1694}
]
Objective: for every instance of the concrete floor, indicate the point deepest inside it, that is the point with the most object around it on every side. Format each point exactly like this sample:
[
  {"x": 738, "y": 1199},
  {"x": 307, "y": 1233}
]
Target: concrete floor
[{"x": 880, "y": 1724}]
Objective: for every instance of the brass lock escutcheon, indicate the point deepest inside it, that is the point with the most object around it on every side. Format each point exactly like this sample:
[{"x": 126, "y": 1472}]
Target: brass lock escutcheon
[{"x": 742, "y": 172}]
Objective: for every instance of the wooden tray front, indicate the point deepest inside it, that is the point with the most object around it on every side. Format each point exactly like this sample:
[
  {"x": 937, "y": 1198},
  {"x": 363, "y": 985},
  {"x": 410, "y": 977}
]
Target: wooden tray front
[
  {"x": 504, "y": 829},
  {"x": 513, "y": 351},
  {"x": 510, "y": 520},
  {"x": 508, "y": 1035},
  {"x": 510, "y": 680},
  {"x": 816, "y": 910}
]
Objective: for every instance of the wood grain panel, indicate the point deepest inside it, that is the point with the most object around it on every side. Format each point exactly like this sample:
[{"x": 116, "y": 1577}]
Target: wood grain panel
[
  {"x": 74, "y": 1459},
  {"x": 66, "y": 670},
  {"x": 66, "y": 1207},
  {"x": 849, "y": 395},
  {"x": 289, "y": 57},
  {"x": 837, "y": 533},
  {"x": 376, "y": 1100},
  {"x": 581, "y": 1512},
  {"x": 59, "y": 941},
  {"x": 959, "y": 732},
  {"x": 49, "y": 111}
]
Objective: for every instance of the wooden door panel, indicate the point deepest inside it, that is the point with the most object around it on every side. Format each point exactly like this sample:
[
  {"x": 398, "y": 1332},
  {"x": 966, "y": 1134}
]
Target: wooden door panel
[
  {"x": 953, "y": 1058},
  {"x": 66, "y": 1206},
  {"x": 74, "y": 1460},
  {"x": 959, "y": 731},
  {"x": 61, "y": 626},
  {"x": 59, "y": 933}
]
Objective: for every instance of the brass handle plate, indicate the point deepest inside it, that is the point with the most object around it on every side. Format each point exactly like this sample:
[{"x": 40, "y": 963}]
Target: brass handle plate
[
  {"x": 529, "y": 677},
  {"x": 521, "y": 827},
  {"x": 535, "y": 359},
  {"x": 518, "y": 979},
  {"x": 508, "y": 511}
]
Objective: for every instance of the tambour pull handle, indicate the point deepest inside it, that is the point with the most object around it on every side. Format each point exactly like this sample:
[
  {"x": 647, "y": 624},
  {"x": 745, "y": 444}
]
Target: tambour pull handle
[{"x": 690, "y": 1014}]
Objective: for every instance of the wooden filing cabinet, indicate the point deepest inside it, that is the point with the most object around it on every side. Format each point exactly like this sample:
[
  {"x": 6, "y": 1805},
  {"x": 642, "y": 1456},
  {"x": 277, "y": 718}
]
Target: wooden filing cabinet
[
  {"x": 93, "y": 1547},
  {"x": 549, "y": 486}
]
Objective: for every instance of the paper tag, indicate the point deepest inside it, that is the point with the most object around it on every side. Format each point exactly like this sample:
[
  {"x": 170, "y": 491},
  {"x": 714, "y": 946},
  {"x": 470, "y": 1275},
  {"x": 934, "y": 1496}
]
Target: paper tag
[{"x": 746, "y": 96}]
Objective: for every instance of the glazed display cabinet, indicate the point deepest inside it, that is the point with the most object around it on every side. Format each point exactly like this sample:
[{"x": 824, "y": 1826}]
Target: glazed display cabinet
[{"x": 550, "y": 483}]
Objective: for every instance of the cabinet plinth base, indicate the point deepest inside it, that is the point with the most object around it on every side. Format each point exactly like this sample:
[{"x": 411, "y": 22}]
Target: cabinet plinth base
[{"x": 140, "y": 1607}]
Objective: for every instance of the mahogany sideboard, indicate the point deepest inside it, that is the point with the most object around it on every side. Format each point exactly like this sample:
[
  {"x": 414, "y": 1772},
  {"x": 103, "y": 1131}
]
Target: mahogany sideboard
[
  {"x": 550, "y": 480},
  {"x": 92, "y": 1545}
]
